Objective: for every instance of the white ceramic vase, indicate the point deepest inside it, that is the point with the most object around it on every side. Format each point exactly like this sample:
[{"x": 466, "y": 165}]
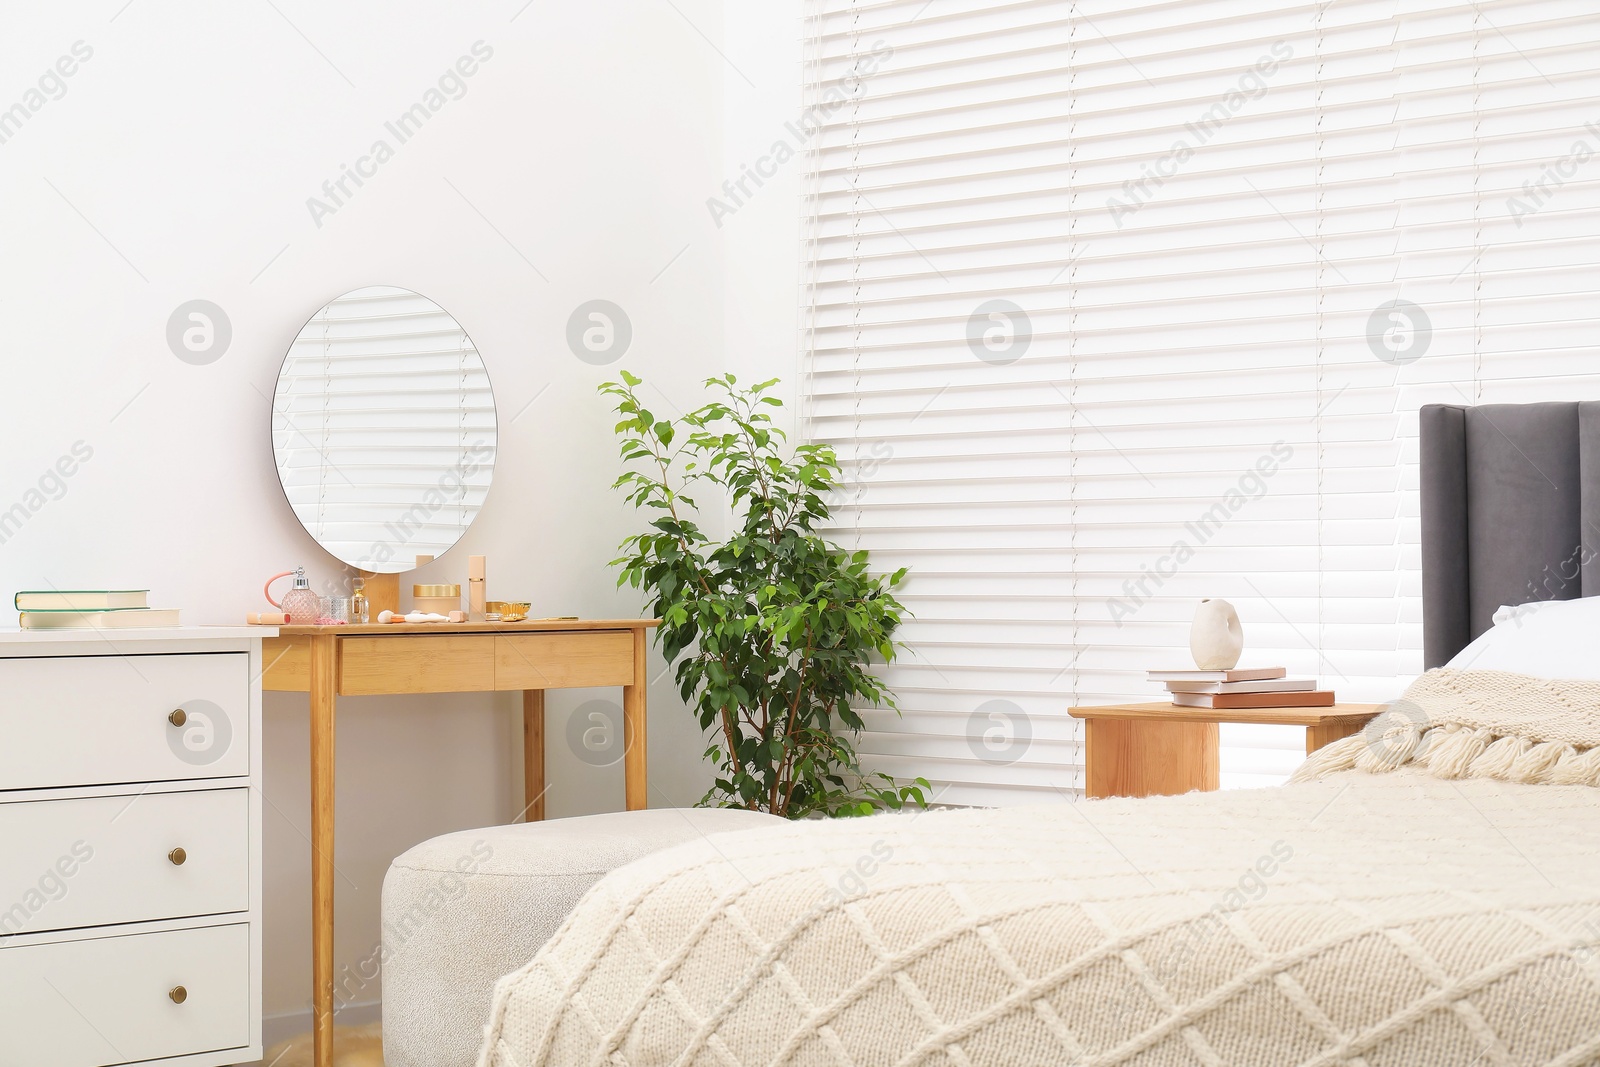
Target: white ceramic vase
[{"x": 1215, "y": 638}]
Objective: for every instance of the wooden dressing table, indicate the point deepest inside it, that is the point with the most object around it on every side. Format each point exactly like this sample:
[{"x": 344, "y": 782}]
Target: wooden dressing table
[{"x": 383, "y": 660}]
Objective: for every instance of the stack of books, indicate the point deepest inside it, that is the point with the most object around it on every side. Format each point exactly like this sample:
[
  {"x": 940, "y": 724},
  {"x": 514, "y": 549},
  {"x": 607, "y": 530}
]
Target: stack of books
[
  {"x": 90, "y": 609},
  {"x": 1242, "y": 687}
]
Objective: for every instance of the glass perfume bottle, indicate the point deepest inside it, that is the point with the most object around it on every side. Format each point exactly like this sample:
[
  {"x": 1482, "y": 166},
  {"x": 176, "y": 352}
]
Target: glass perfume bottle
[
  {"x": 359, "y": 608},
  {"x": 300, "y": 603}
]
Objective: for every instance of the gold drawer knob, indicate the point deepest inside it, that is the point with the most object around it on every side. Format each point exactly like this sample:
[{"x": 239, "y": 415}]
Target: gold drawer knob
[
  {"x": 178, "y": 994},
  {"x": 177, "y": 856},
  {"x": 178, "y": 717}
]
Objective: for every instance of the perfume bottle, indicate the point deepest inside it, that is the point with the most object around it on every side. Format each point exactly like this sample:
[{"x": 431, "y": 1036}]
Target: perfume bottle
[
  {"x": 300, "y": 603},
  {"x": 359, "y": 608}
]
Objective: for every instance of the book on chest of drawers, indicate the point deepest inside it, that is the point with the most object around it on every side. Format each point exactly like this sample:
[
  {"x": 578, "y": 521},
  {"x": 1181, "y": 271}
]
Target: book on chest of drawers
[{"x": 130, "y": 877}]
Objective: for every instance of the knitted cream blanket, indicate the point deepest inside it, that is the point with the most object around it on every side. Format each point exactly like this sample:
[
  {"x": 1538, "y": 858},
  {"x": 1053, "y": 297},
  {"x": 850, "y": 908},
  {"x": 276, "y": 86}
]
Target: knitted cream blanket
[
  {"x": 1399, "y": 919},
  {"x": 1479, "y": 724}
]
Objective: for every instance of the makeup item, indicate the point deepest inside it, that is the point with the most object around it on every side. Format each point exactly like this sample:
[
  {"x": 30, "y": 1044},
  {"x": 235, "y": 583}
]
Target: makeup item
[
  {"x": 267, "y": 618},
  {"x": 506, "y": 610},
  {"x": 333, "y": 611},
  {"x": 426, "y": 616},
  {"x": 360, "y": 608},
  {"x": 436, "y": 599},
  {"x": 475, "y": 588},
  {"x": 389, "y": 616},
  {"x": 299, "y": 603},
  {"x": 458, "y": 616}
]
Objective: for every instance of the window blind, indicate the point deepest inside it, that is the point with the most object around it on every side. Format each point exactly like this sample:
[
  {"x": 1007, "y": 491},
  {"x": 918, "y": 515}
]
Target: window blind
[
  {"x": 384, "y": 428},
  {"x": 1113, "y": 306}
]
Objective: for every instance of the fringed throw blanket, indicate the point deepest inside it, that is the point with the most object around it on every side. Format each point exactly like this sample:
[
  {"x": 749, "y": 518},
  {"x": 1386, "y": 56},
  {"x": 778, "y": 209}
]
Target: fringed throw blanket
[
  {"x": 1398, "y": 919},
  {"x": 1479, "y": 724}
]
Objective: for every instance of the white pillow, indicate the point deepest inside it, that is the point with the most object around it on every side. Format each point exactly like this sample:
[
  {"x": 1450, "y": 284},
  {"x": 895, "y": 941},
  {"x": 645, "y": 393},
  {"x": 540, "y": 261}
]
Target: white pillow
[{"x": 1545, "y": 639}]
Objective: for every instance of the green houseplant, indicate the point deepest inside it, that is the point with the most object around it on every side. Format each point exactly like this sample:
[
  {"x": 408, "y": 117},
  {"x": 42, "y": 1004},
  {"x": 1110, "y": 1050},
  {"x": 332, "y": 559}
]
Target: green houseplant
[{"x": 772, "y": 629}]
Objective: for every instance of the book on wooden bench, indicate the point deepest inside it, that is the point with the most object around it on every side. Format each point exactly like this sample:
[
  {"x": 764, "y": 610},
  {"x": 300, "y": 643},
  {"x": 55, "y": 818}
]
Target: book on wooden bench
[
  {"x": 1318, "y": 698},
  {"x": 1236, "y": 674},
  {"x": 1261, "y": 685}
]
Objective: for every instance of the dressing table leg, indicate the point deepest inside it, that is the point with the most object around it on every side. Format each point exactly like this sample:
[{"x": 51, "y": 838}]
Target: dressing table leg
[
  {"x": 323, "y": 687},
  {"x": 636, "y": 786},
  {"x": 533, "y": 755}
]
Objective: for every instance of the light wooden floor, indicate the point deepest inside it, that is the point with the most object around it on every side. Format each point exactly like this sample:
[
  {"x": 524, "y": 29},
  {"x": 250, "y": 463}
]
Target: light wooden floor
[{"x": 353, "y": 1046}]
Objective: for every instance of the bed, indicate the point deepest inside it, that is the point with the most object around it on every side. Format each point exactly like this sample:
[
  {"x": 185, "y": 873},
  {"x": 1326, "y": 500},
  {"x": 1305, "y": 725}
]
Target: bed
[{"x": 1427, "y": 892}]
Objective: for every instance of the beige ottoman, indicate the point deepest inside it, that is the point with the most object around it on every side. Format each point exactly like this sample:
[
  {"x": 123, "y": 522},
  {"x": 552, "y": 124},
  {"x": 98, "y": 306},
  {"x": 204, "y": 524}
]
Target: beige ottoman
[{"x": 461, "y": 910}]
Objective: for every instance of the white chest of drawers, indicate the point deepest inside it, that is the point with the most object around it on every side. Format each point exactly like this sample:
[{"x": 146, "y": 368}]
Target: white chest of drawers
[{"x": 130, "y": 847}]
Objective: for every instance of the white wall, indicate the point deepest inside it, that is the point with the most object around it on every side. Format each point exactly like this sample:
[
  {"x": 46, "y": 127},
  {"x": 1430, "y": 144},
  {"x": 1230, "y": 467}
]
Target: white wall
[
  {"x": 176, "y": 165},
  {"x": 762, "y": 238}
]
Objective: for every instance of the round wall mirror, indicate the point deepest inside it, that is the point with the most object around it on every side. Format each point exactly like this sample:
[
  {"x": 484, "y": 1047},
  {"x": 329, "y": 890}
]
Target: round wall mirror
[{"x": 384, "y": 430}]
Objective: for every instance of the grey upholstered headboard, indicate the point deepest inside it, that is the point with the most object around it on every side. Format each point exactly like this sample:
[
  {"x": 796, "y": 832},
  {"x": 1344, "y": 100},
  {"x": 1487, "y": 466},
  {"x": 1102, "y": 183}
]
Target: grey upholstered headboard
[{"x": 1510, "y": 513}]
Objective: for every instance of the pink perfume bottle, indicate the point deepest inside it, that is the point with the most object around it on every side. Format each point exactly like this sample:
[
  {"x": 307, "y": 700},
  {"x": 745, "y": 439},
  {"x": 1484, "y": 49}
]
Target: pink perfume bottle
[{"x": 299, "y": 603}]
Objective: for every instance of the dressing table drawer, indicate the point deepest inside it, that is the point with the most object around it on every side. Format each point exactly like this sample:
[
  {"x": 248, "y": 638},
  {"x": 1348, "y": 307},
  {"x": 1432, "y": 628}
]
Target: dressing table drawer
[
  {"x": 103, "y": 860},
  {"x": 101, "y": 720},
  {"x": 563, "y": 660},
  {"x": 114, "y": 1000},
  {"x": 448, "y": 663}
]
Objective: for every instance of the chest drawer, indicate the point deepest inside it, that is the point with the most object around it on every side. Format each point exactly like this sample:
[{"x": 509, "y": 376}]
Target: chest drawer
[
  {"x": 102, "y": 860},
  {"x": 107, "y": 1001},
  {"x": 99, "y": 720}
]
